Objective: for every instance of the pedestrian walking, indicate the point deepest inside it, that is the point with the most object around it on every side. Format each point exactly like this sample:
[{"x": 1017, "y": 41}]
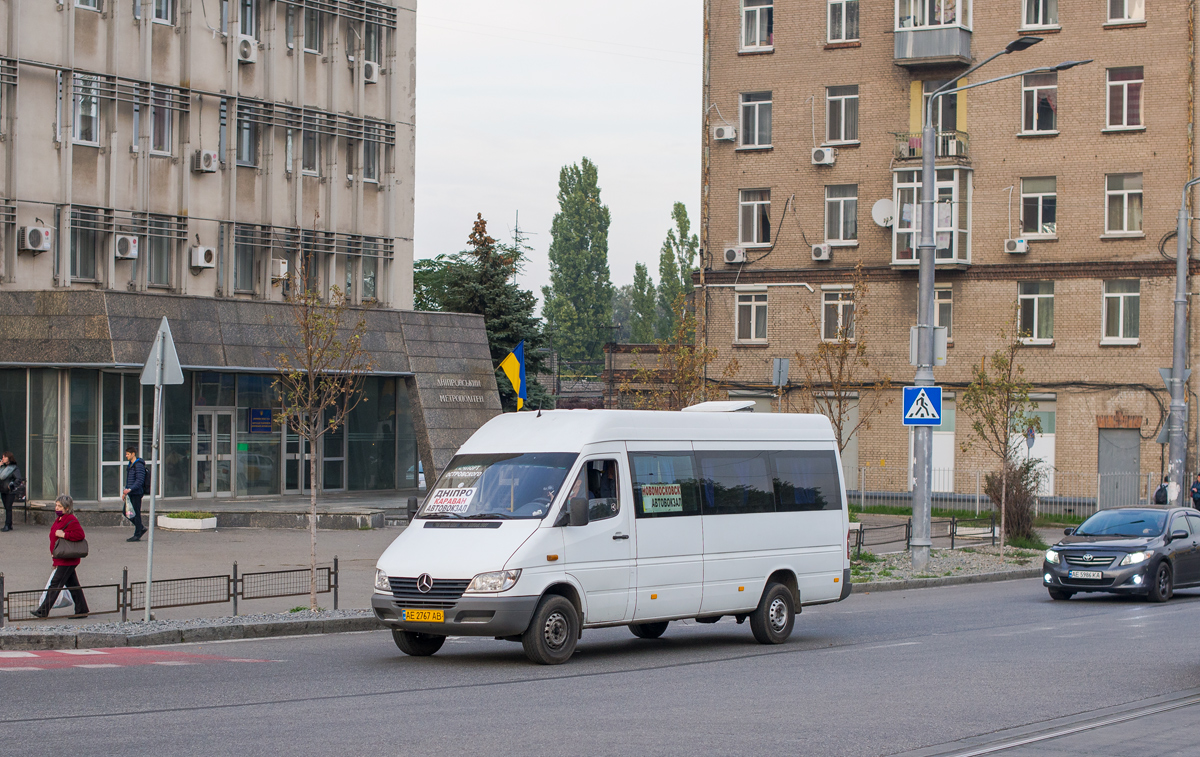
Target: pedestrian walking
[
  {"x": 1196, "y": 492},
  {"x": 135, "y": 489},
  {"x": 1161, "y": 495},
  {"x": 66, "y": 526},
  {"x": 10, "y": 479}
]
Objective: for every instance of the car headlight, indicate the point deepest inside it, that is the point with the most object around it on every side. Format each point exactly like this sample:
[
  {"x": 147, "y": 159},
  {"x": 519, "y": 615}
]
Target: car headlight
[
  {"x": 381, "y": 581},
  {"x": 1052, "y": 557},
  {"x": 1133, "y": 558},
  {"x": 500, "y": 580}
]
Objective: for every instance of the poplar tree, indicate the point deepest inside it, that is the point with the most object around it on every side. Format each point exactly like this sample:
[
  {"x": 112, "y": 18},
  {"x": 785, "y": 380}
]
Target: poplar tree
[
  {"x": 675, "y": 263},
  {"x": 642, "y": 313}
]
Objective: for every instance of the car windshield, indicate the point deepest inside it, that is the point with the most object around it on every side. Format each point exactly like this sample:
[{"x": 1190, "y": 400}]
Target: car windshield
[
  {"x": 1132, "y": 523},
  {"x": 498, "y": 486}
]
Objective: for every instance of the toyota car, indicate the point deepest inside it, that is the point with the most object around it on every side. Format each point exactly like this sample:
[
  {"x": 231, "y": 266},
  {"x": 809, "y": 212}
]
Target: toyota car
[{"x": 1127, "y": 550}]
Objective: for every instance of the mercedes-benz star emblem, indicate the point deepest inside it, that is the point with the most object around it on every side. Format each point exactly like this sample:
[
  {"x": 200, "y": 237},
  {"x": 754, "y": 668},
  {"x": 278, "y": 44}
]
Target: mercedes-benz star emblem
[
  {"x": 424, "y": 583},
  {"x": 1088, "y": 557}
]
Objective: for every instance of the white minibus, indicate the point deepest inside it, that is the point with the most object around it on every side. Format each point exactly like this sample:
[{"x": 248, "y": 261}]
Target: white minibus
[{"x": 544, "y": 524}]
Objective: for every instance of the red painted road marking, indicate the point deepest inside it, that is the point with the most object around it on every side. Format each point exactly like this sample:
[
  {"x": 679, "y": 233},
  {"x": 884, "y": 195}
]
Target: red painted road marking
[{"x": 115, "y": 657}]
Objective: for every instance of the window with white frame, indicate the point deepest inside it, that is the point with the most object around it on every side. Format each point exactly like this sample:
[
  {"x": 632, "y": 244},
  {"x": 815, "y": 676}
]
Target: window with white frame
[
  {"x": 161, "y": 118},
  {"x": 843, "y": 20},
  {"x": 756, "y": 119},
  {"x": 86, "y": 110},
  {"x": 841, "y": 213},
  {"x": 310, "y": 159},
  {"x": 1126, "y": 10},
  {"x": 314, "y": 31},
  {"x": 1124, "y": 196},
  {"x": 841, "y": 109},
  {"x": 837, "y": 315},
  {"x": 370, "y": 159},
  {"x": 916, "y": 14},
  {"x": 1035, "y": 311},
  {"x": 1040, "y": 13},
  {"x": 1039, "y": 206},
  {"x": 248, "y": 17},
  {"x": 945, "y": 107},
  {"x": 951, "y": 215},
  {"x": 1039, "y": 103},
  {"x": 1122, "y": 301},
  {"x": 91, "y": 4},
  {"x": 1125, "y": 97},
  {"x": 754, "y": 219},
  {"x": 373, "y": 43},
  {"x": 943, "y": 310},
  {"x": 164, "y": 11},
  {"x": 758, "y": 22},
  {"x": 247, "y": 142},
  {"x": 158, "y": 272},
  {"x": 84, "y": 249},
  {"x": 244, "y": 258},
  {"x": 752, "y": 317},
  {"x": 370, "y": 270}
]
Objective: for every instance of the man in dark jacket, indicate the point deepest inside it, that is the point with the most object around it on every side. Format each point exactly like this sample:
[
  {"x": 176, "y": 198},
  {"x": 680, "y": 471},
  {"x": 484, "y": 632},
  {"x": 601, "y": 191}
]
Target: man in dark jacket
[{"x": 135, "y": 487}]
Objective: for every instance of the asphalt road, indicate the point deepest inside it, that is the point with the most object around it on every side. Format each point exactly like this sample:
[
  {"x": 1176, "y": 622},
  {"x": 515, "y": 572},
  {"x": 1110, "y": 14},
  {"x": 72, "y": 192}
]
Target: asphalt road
[{"x": 954, "y": 670}]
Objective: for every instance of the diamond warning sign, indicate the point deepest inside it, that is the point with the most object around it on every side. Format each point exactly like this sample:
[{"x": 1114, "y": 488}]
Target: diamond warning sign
[{"x": 922, "y": 406}]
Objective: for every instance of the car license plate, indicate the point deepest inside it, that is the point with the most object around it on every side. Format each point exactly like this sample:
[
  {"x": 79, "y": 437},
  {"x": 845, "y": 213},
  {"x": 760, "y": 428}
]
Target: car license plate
[
  {"x": 425, "y": 616},
  {"x": 1084, "y": 574}
]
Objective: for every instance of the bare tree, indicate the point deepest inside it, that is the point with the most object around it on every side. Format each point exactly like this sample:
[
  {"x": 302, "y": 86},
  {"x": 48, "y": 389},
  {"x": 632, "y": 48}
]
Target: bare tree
[
  {"x": 837, "y": 372},
  {"x": 322, "y": 364}
]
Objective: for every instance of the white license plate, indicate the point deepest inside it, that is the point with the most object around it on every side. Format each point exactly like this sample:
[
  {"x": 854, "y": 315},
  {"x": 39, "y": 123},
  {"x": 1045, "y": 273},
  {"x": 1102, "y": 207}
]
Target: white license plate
[{"x": 1084, "y": 574}]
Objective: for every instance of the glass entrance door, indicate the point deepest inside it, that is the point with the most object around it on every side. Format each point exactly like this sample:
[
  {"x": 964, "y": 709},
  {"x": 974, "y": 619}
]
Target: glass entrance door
[
  {"x": 295, "y": 465},
  {"x": 212, "y": 453}
]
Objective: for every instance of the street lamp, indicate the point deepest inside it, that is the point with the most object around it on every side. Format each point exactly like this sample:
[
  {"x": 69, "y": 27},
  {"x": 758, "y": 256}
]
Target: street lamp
[
  {"x": 1176, "y": 433},
  {"x": 923, "y": 435}
]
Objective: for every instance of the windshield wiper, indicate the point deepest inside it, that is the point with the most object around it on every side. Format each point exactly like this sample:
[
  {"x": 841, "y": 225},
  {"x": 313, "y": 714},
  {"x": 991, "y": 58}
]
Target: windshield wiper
[{"x": 477, "y": 516}]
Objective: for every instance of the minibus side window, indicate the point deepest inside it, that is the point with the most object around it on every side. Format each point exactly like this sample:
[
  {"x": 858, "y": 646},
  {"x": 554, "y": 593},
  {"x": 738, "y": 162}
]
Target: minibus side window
[
  {"x": 735, "y": 482},
  {"x": 806, "y": 481},
  {"x": 597, "y": 483},
  {"x": 664, "y": 484}
]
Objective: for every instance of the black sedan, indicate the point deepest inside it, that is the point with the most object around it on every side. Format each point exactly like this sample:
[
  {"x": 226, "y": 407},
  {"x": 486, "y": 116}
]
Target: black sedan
[{"x": 1127, "y": 550}]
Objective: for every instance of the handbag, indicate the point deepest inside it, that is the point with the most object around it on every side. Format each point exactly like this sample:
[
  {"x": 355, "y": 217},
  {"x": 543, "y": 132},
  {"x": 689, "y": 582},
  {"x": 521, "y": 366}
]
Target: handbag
[
  {"x": 69, "y": 550},
  {"x": 64, "y": 596}
]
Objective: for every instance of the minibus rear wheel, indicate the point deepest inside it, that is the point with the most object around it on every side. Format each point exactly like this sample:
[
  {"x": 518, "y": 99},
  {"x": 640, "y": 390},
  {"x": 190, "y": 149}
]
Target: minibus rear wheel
[
  {"x": 649, "y": 630},
  {"x": 551, "y": 636},
  {"x": 772, "y": 621},
  {"x": 417, "y": 644}
]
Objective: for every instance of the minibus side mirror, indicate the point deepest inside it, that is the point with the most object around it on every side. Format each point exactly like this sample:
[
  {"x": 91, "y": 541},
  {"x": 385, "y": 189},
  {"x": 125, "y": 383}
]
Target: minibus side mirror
[{"x": 579, "y": 511}]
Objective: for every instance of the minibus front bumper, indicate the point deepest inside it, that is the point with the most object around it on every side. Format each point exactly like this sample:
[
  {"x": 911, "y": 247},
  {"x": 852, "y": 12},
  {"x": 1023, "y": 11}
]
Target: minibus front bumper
[{"x": 485, "y": 615}]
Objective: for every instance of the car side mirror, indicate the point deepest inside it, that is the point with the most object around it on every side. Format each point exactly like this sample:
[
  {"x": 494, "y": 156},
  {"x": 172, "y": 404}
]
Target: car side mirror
[
  {"x": 579, "y": 511},
  {"x": 1180, "y": 534},
  {"x": 1068, "y": 531}
]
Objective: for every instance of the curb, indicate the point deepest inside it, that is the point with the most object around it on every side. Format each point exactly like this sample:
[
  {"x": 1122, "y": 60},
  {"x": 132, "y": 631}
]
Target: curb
[
  {"x": 928, "y": 583},
  {"x": 58, "y": 639}
]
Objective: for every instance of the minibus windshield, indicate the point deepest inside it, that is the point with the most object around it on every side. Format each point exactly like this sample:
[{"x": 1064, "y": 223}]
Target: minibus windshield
[{"x": 498, "y": 486}]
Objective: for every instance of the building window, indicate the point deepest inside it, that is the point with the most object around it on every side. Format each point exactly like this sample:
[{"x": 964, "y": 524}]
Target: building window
[
  {"x": 370, "y": 160},
  {"x": 952, "y": 216},
  {"x": 914, "y": 14},
  {"x": 943, "y": 310},
  {"x": 1124, "y": 194},
  {"x": 841, "y": 108},
  {"x": 373, "y": 43},
  {"x": 1041, "y": 13},
  {"x": 164, "y": 11},
  {"x": 1122, "y": 300},
  {"x": 92, "y": 4},
  {"x": 161, "y": 118},
  {"x": 758, "y": 21},
  {"x": 843, "y": 20},
  {"x": 754, "y": 221},
  {"x": 83, "y": 254},
  {"x": 247, "y": 144},
  {"x": 1035, "y": 319},
  {"x": 1126, "y": 10},
  {"x": 841, "y": 213},
  {"x": 1125, "y": 97},
  {"x": 837, "y": 315},
  {"x": 314, "y": 27},
  {"x": 158, "y": 272},
  {"x": 370, "y": 270},
  {"x": 248, "y": 17},
  {"x": 1039, "y": 103},
  {"x": 243, "y": 267},
  {"x": 756, "y": 119},
  {"x": 311, "y": 155},
  {"x": 1039, "y": 206},
  {"x": 752, "y": 317},
  {"x": 945, "y": 108},
  {"x": 86, "y": 126}
]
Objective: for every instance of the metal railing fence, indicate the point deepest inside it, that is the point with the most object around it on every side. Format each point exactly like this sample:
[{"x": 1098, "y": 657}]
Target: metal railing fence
[
  {"x": 107, "y": 599},
  {"x": 973, "y": 530}
]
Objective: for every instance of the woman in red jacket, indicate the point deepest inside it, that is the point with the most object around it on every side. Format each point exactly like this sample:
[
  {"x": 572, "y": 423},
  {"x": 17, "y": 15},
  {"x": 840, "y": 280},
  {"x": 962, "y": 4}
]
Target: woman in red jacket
[{"x": 66, "y": 526}]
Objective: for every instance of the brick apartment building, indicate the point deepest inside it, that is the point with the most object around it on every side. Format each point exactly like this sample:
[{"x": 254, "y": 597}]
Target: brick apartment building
[{"x": 1086, "y": 166}]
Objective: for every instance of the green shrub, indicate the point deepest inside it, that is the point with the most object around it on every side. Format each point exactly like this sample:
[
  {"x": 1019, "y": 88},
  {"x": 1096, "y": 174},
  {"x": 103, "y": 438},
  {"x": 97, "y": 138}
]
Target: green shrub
[{"x": 190, "y": 515}]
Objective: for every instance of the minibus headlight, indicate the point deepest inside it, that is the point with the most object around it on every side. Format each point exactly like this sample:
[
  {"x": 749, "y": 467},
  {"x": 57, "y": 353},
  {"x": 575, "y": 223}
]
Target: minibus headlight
[
  {"x": 381, "y": 581},
  {"x": 501, "y": 580}
]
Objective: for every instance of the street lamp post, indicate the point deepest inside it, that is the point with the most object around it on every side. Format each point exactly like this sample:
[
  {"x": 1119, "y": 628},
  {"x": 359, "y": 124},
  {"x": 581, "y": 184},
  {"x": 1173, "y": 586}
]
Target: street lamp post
[{"x": 1177, "y": 434}]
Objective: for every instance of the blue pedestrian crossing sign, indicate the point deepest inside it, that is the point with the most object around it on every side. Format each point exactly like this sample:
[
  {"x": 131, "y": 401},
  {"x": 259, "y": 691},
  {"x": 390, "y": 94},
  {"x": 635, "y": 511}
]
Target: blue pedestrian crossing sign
[{"x": 922, "y": 406}]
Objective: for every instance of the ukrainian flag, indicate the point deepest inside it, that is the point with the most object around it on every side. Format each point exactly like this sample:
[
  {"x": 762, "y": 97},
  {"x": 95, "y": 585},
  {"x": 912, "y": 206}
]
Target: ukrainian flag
[{"x": 514, "y": 367}]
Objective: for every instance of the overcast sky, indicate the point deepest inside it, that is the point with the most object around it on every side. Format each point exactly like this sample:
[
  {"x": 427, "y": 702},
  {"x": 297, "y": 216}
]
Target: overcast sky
[{"x": 509, "y": 92}]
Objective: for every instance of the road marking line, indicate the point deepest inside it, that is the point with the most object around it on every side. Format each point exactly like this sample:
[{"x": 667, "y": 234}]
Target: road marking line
[
  {"x": 80, "y": 651},
  {"x": 11, "y": 669},
  {"x": 172, "y": 662},
  {"x": 98, "y": 665},
  {"x": 6, "y": 653}
]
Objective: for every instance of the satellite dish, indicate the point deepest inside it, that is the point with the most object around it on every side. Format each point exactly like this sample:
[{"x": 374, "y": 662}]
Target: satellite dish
[{"x": 883, "y": 212}]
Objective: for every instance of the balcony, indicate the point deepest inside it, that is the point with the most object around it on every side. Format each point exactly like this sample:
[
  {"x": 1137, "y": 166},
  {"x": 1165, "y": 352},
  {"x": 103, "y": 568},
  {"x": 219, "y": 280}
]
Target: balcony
[
  {"x": 952, "y": 145},
  {"x": 932, "y": 45}
]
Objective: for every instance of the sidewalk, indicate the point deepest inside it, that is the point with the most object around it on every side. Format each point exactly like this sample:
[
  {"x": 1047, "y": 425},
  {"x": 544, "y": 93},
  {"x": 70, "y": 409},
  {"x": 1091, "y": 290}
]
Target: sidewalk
[{"x": 25, "y": 563}]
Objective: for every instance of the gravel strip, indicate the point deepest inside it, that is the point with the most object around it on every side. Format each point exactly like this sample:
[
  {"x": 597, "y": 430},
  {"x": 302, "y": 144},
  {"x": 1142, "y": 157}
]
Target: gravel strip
[{"x": 945, "y": 563}]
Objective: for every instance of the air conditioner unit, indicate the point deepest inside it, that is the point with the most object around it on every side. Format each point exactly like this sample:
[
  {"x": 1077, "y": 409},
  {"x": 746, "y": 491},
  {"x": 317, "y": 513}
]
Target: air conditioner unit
[
  {"x": 724, "y": 133},
  {"x": 370, "y": 72},
  {"x": 279, "y": 269},
  {"x": 824, "y": 156},
  {"x": 1016, "y": 246},
  {"x": 34, "y": 238},
  {"x": 127, "y": 247},
  {"x": 822, "y": 251},
  {"x": 734, "y": 255},
  {"x": 205, "y": 161},
  {"x": 247, "y": 49},
  {"x": 204, "y": 257}
]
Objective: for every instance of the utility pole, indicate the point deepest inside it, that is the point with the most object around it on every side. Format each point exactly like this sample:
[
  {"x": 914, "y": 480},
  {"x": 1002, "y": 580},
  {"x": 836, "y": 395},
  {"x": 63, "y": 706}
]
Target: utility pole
[{"x": 1177, "y": 432}]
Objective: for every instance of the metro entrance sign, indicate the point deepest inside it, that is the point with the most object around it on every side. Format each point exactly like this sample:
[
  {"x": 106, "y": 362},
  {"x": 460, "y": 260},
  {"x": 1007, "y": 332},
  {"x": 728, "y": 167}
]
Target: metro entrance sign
[{"x": 922, "y": 406}]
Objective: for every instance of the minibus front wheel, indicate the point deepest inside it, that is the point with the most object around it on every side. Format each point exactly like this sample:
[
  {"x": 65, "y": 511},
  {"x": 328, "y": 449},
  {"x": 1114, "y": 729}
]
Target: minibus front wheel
[
  {"x": 417, "y": 644},
  {"x": 551, "y": 636},
  {"x": 772, "y": 621}
]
